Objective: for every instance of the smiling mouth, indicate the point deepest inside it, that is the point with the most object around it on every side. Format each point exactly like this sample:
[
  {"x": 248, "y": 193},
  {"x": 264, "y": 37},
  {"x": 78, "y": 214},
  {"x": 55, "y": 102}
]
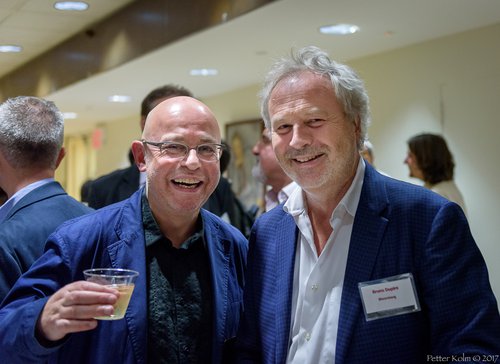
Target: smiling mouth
[
  {"x": 305, "y": 159},
  {"x": 187, "y": 183}
]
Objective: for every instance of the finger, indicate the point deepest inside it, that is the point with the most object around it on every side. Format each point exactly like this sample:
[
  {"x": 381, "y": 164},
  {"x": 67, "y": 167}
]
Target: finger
[
  {"x": 84, "y": 293},
  {"x": 83, "y": 312},
  {"x": 90, "y": 286},
  {"x": 75, "y": 298}
]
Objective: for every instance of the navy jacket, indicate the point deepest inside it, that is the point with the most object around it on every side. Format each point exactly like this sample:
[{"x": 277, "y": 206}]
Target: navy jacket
[
  {"x": 114, "y": 237},
  {"x": 398, "y": 228},
  {"x": 25, "y": 229},
  {"x": 113, "y": 187}
]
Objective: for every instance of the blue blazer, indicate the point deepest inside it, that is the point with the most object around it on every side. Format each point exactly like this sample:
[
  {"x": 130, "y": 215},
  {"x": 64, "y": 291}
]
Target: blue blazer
[
  {"x": 398, "y": 228},
  {"x": 27, "y": 226},
  {"x": 114, "y": 237}
]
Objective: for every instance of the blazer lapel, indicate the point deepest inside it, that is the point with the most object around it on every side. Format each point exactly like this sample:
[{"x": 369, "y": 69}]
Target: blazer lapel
[
  {"x": 368, "y": 229},
  {"x": 129, "y": 252},
  {"x": 286, "y": 242},
  {"x": 219, "y": 256}
]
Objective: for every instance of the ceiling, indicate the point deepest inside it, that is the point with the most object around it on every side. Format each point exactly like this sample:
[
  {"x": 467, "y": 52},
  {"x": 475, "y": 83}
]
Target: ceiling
[{"x": 242, "y": 49}]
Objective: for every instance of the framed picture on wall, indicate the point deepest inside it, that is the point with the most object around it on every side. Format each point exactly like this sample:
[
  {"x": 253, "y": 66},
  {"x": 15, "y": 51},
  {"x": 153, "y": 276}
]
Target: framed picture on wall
[{"x": 241, "y": 137}]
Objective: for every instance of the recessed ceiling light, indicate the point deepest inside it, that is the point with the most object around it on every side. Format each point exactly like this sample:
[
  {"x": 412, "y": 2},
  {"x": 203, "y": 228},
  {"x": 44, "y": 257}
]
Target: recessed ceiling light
[
  {"x": 203, "y": 72},
  {"x": 71, "y": 5},
  {"x": 119, "y": 98},
  {"x": 339, "y": 29},
  {"x": 70, "y": 115},
  {"x": 9, "y": 48}
]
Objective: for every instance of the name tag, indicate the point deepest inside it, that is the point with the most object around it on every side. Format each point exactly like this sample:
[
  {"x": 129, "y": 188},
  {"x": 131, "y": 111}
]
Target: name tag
[{"x": 390, "y": 296}]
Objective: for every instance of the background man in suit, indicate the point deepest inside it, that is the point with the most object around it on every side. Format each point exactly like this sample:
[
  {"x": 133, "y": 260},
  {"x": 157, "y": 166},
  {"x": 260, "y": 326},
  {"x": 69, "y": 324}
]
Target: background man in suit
[
  {"x": 190, "y": 262},
  {"x": 122, "y": 183},
  {"x": 31, "y": 139},
  {"x": 356, "y": 266},
  {"x": 268, "y": 171},
  {"x": 223, "y": 201}
]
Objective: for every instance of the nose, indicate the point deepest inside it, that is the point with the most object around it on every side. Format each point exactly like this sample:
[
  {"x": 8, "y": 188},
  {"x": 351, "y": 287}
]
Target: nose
[
  {"x": 300, "y": 136},
  {"x": 256, "y": 147},
  {"x": 191, "y": 159}
]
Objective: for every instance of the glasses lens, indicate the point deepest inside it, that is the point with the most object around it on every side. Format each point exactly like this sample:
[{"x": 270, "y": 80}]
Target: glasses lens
[
  {"x": 208, "y": 152},
  {"x": 173, "y": 150}
]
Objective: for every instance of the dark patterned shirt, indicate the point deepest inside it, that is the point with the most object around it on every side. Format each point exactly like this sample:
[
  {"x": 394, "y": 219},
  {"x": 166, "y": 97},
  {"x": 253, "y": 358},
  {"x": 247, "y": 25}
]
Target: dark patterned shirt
[{"x": 180, "y": 297}]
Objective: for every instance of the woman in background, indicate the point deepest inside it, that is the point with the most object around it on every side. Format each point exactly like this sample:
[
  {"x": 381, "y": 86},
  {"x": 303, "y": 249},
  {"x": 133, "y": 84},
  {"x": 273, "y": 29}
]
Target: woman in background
[{"x": 430, "y": 160}]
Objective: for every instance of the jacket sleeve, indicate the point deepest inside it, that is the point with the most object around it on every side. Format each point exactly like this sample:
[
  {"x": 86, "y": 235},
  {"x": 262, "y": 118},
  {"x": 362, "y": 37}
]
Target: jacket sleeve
[
  {"x": 455, "y": 288},
  {"x": 21, "y": 309}
]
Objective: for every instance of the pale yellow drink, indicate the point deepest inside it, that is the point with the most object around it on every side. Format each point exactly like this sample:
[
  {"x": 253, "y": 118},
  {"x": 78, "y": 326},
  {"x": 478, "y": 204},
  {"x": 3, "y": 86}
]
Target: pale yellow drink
[
  {"x": 121, "y": 305},
  {"x": 120, "y": 279}
]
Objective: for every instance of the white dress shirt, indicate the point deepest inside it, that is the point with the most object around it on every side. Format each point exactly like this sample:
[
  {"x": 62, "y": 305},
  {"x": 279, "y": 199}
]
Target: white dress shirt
[{"x": 318, "y": 280}]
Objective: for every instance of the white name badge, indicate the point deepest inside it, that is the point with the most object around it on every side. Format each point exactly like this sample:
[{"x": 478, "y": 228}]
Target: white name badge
[{"x": 390, "y": 296}]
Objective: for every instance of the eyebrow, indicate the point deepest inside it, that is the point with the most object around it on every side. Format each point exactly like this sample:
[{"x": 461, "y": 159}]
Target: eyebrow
[{"x": 180, "y": 139}]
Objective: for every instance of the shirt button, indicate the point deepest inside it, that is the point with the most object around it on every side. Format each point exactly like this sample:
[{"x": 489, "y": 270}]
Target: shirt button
[
  {"x": 308, "y": 336},
  {"x": 314, "y": 287}
]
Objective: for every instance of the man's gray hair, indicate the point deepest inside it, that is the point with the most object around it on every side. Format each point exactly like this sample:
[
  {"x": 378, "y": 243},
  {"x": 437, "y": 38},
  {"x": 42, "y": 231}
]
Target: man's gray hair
[
  {"x": 31, "y": 132},
  {"x": 349, "y": 88}
]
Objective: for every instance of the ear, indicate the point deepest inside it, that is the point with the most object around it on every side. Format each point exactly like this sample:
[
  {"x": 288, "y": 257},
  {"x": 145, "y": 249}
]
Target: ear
[
  {"x": 138, "y": 150},
  {"x": 60, "y": 156}
]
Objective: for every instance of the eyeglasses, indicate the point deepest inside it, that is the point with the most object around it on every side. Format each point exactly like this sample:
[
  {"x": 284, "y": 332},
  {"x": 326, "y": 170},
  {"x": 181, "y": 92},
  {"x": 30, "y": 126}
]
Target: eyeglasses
[{"x": 209, "y": 152}]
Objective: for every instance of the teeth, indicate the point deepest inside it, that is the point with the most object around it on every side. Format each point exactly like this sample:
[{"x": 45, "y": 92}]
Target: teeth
[
  {"x": 187, "y": 181},
  {"x": 305, "y": 159}
]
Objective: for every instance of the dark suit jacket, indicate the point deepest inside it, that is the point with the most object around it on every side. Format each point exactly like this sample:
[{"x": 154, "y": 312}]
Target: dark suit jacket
[
  {"x": 223, "y": 201},
  {"x": 114, "y": 237},
  {"x": 113, "y": 187},
  {"x": 27, "y": 226},
  {"x": 398, "y": 228}
]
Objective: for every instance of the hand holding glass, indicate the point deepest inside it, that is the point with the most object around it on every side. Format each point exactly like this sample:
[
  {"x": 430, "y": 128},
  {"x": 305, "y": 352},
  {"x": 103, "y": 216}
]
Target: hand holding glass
[{"x": 120, "y": 279}]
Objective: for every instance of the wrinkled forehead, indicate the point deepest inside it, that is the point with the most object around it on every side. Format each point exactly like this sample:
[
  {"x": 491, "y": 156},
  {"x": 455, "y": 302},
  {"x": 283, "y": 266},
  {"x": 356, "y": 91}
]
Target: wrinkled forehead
[
  {"x": 302, "y": 82},
  {"x": 300, "y": 87}
]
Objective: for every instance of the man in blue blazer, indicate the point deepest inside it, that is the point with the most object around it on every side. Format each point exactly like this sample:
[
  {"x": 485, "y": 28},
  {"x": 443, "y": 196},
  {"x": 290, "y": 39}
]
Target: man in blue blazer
[
  {"x": 31, "y": 139},
  {"x": 355, "y": 267},
  {"x": 188, "y": 296}
]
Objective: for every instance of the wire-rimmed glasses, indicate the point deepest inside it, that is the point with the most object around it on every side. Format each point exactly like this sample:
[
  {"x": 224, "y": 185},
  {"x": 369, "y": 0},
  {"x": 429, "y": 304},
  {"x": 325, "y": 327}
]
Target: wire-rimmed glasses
[{"x": 207, "y": 152}]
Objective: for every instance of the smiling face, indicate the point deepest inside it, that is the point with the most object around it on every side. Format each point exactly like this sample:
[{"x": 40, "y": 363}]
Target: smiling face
[
  {"x": 178, "y": 186},
  {"x": 313, "y": 141}
]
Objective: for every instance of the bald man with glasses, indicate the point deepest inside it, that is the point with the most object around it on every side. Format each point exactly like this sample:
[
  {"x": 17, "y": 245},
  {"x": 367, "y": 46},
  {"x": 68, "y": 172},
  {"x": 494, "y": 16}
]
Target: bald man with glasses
[{"x": 190, "y": 262}]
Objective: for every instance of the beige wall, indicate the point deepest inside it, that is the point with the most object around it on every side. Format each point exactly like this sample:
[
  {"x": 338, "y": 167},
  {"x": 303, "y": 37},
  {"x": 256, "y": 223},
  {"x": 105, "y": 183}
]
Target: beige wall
[
  {"x": 117, "y": 138},
  {"x": 450, "y": 86}
]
